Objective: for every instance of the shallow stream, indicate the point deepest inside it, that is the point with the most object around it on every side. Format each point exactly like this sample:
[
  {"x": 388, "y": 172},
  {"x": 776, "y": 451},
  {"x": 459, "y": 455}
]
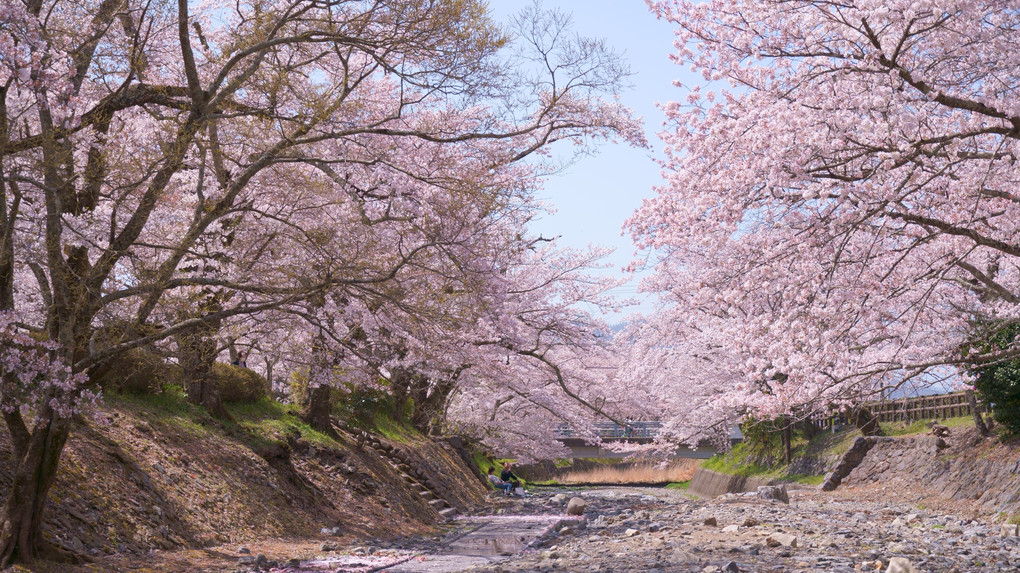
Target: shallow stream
[{"x": 479, "y": 540}]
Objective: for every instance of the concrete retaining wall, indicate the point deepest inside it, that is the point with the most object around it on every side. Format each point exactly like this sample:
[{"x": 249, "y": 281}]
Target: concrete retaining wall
[{"x": 707, "y": 483}]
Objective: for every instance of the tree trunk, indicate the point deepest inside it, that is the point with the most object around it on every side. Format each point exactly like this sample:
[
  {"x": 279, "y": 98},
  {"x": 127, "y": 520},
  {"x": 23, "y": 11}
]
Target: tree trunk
[
  {"x": 865, "y": 421},
  {"x": 787, "y": 440},
  {"x": 196, "y": 355},
  {"x": 34, "y": 472},
  {"x": 276, "y": 394},
  {"x": 979, "y": 422},
  {"x": 400, "y": 382},
  {"x": 430, "y": 407},
  {"x": 317, "y": 410},
  {"x": 205, "y": 392}
]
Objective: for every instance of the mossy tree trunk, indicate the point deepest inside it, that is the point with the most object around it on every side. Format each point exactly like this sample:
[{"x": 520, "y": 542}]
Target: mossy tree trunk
[
  {"x": 317, "y": 409},
  {"x": 196, "y": 354}
]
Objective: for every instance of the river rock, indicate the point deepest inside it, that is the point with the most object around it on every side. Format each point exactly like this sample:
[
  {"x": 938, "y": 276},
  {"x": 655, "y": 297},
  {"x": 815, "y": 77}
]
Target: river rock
[
  {"x": 781, "y": 539},
  {"x": 900, "y": 565},
  {"x": 575, "y": 506},
  {"x": 773, "y": 492},
  {"x": 1010, "y": 530}
]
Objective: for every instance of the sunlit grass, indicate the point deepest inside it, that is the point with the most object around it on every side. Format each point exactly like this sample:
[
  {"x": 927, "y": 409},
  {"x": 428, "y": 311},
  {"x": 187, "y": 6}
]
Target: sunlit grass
[
  {"x": 272, "y": 420},
  {"x": 921, "y": 426}
]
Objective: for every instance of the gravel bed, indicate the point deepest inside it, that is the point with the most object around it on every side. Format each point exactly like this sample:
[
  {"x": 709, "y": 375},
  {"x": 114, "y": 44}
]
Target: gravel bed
[{"x": 659, "y": 530}]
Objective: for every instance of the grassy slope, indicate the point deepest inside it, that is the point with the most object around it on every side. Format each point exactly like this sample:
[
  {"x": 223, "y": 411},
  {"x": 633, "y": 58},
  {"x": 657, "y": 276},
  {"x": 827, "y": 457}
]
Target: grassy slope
[
  {"x": 160, "y": 473},
  {"x": 742, "y": 460}
]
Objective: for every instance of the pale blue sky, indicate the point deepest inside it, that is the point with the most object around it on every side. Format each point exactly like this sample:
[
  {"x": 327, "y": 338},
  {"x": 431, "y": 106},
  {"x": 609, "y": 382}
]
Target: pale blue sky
[{"x": 594, "y": 196}]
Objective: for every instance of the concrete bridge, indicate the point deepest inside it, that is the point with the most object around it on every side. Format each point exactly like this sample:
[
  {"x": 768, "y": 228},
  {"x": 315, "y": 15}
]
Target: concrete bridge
[{"x": 634, "y": 432}]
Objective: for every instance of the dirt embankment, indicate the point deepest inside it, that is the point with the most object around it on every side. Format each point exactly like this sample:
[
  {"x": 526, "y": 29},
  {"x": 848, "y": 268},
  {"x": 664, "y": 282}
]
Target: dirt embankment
[
  {"x": 964, "y": 472},
  {"x": 173, "y": 478}
]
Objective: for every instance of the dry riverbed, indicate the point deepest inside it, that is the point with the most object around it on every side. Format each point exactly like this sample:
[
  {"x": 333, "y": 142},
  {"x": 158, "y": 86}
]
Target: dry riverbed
[
  {"x": 626, "y": 529},
  {"x": 649, "y": 530}
]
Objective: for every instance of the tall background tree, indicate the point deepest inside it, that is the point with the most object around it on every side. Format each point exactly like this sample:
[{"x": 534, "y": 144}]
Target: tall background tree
[
  {"x": 169, "y": 169},
  {"x": 839, "y": 204}
]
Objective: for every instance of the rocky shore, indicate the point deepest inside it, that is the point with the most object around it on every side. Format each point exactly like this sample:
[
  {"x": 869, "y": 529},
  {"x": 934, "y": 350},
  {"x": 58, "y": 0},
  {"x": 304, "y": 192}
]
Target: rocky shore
[{"x": 666, "y": 531}]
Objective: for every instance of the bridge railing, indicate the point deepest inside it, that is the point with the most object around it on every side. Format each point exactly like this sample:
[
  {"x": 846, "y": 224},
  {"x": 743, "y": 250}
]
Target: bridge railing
[{"x": 610, "y": 430}]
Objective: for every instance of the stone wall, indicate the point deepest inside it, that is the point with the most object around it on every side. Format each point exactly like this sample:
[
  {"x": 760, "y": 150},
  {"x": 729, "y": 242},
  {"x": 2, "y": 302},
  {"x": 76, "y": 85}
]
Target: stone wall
[
  {"x": 981, "y": 471},
  {"x": 707, "y": 483}
]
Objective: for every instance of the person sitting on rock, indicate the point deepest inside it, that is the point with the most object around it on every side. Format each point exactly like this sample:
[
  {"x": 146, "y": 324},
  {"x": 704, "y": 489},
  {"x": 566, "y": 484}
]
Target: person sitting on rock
[
  {"x": 498, "y": 483},
  {"x": 508, "y": 476}
]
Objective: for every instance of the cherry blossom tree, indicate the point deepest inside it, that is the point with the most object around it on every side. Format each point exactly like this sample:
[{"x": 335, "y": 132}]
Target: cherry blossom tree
[
  {"x": 838, "y": 207},
  {"x": 168, "y": 169}
]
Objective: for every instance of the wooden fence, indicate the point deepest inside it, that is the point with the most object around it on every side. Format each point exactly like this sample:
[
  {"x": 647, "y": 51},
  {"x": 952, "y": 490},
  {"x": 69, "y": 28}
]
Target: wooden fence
[{"x": 937, "y": 407}]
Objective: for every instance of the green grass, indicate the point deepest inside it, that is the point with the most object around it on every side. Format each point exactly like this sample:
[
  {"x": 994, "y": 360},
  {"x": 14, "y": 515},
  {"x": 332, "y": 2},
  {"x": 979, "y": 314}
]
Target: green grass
[
  {"x": 681, "y": 485},
  {"x": 806, "y": 479},
  {"x": 921, "y": 426},
  {"x": 169, "y": 407},
  {"x": 743, "y": 461},
  {"x": 259, "y": 423},
  {"x": 271, "y": 420},
  {"x": 393, "y": 430},
  {"x": 738, "y": 461},
  {"x": 170, "y": 401}
]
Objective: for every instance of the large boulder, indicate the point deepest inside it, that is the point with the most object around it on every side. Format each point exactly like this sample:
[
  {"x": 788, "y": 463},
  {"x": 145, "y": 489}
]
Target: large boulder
[
  {"x": 575, "y": 506},
  {"x": 774, "y": 493}
]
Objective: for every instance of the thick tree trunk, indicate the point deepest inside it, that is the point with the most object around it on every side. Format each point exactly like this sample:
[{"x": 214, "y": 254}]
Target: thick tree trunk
[
  {"x": 865, "y": 421},
  {"x": 34, "y": 472},
  {"x": 196, "y": 355},
  {"x": 400, "y": 383},
  {"x": 430, "y": 406},
  {"x": 317, "y": 410},
  {"x": 979, "y": 422},
  {"x": 205, "y": 392}
]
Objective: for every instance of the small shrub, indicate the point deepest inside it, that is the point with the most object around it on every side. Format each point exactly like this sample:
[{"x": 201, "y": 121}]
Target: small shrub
[
  {"x": 361, "y": 406},
  {"x": 763, "y": 440},
  {"x": 239, "y": 384},
  {"x": 136, "y": 372}
]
